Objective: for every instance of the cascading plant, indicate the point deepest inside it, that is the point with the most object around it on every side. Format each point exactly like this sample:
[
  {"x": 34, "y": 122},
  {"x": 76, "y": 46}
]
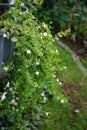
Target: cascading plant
[{"x": 31, "y": 70}]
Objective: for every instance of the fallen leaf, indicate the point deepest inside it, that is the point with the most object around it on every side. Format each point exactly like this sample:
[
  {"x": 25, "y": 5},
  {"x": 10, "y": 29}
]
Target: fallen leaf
[{"x": 77, "y": 111}]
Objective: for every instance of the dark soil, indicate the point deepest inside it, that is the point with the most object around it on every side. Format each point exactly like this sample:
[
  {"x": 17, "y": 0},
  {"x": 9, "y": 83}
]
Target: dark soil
[
  {"x": 77, "y": 46},
  {"x": 75, "y": 97}
]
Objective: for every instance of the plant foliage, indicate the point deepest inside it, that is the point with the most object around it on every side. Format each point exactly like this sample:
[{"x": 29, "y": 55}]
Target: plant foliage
[{"x": 31, "y": 81}]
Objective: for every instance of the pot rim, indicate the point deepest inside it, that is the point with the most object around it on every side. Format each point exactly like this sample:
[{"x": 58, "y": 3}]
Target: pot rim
[
  {"x": 1, "y": 33},
  {"x": 6, "y": 5},
  {"x": 25, "y": 9}
]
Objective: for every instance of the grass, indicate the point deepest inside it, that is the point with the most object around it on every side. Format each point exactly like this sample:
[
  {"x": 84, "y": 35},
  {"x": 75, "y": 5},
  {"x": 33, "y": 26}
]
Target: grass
[
  {"x": 84, "y": 62},
  {"x": 62, "y": 116}
]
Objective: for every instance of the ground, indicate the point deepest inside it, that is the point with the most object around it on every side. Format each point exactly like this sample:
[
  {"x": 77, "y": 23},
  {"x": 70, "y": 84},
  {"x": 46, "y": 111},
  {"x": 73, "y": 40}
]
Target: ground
[
  {"x": 75, "y": 97},
  {"x": 80, "y": 47},
  {"x": 75, "y": 89},
  {"x": 74, "y": 86}
]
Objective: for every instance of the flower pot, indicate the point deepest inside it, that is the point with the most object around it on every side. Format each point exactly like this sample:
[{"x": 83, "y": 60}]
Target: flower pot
[
  {"x": 7, "y": 46},
  {"x": 8, "y": 49},
  {"x": 5, "y": 4},
  {"x": 25, "y": 10},
  {"x": 1, "y": 50}
]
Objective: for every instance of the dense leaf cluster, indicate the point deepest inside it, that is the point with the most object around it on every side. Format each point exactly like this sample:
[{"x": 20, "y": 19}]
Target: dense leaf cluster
[{"x": 32, "y": 70}]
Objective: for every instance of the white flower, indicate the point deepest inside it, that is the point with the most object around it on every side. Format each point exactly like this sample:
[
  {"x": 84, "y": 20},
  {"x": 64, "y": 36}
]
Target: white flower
[
  {"x": 4, "y": 35},
  {"x": 54, "y": 76},
  {"x": 57, "y": 51},
  {"x": 3, "y": 96},
  {"x": 42, "y": 94},
  {"x": 57, "y": 80},
  {"x": 44, "y": 25},
  {"x": 62, "y": 101},
  {"x": 45, "y": 99},
  {"x": 10, "y": 89},
  {"x": 5, "y": 68},
  {"x": 28, "y": 51},
  {"x": 16, "y": 104},
  {"x": 8, "y": 84},
  {"x": 37, "y": 72},
  {"x": 65, "y": 67},
  {"x": 60, "y": 83},
  {"x": 57, "y": 38},
  {"x": 22, "y": 4},
  {"x": 45, "y": 34},
  {"x": 47, "y": 113},
  {"x": 17, "y": 98},
  {"x": 13, "y": 101},
  {"x": 37, "y": 63}
]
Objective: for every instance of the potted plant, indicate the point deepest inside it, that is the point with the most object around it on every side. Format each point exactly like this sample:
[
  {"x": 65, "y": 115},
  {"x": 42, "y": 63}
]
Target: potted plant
[
  {"x": 31, "y": 69},
  {"x": 8, "y": 49},
  {"x": 7, "y": 44},
  {"x": 5, "y": 4},
  {"x": 1, "y": 51}
]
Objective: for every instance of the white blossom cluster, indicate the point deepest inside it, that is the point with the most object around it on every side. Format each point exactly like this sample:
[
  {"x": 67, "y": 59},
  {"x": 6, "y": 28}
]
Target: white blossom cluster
[
  {"x": 3, "y": 97},
  {"x": 64, "y": 67},
  {"x": 37, "y": 63},
  {"x": 9, "y": 89},
  {"x": 60, "y": 83},
  {"x": 28, "y": 51},
  {"x": 44, "y": 25},
  {"x": 4, "y": 35},
  {"x": 22, "y": 4},
  {"x": 60, "y": 99},
  {"x": 6, "y": 68},
  {"x": 44, "y": 97},
  {"x": 37, "y": 73},
  {"x": 57, "y": 52},
  {"x": 45, "y": 34}
]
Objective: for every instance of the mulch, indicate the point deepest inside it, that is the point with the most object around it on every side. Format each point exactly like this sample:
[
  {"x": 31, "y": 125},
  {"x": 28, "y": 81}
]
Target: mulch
[
  {"x": 75, "y": 97},
  {"x": 77, "y": 46}
]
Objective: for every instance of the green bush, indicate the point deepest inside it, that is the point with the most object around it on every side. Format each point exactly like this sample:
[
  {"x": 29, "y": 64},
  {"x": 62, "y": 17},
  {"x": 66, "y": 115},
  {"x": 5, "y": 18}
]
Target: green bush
[
  {"x": 64, "y": 15},
  {"x": 31, "y": 70}
]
